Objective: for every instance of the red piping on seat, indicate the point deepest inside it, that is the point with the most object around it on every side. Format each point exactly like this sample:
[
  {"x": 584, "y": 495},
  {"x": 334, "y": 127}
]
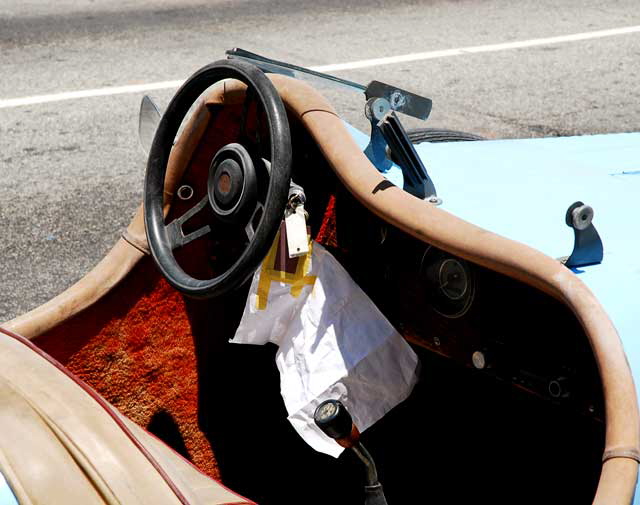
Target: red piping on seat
[{"x": 176, "y": 453}]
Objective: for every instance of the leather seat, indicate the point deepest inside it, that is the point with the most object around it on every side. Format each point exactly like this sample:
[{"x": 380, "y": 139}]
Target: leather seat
[{"x": 60, "y": 442}]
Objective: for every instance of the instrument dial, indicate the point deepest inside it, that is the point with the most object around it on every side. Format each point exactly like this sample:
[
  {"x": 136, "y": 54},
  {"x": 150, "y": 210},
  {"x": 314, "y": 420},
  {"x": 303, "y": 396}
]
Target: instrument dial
[
  {"x": 454, "y": 282},
  {"x": 450, "y": 283}
]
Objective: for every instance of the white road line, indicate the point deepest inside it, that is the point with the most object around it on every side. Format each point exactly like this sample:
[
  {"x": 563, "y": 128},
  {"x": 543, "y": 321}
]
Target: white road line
[
  {"x": 477, "y": 49},
  {"x": 390, "y": 60},
  {"x": 86, "y": 93}
]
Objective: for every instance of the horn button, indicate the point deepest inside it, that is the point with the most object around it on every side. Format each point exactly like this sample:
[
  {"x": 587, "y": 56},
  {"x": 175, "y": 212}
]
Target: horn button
[{"x": 232, "y": 184}]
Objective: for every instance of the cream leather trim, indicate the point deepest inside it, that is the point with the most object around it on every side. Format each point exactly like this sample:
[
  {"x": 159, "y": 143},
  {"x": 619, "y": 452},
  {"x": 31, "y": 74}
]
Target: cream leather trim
[
  {"x": 103, "y": 278},
  {"x": 61, "y": 445}
]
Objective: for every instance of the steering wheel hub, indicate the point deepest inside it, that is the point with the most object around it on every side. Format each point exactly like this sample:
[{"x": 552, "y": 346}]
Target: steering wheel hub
[{"x": 232, "y": 183}]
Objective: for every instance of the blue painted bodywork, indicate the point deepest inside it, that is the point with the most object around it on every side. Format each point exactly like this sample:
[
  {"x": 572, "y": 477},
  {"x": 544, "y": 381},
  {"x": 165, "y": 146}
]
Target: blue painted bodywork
[
  {"x": 6, "y": 495},
  {"x": 521, "y": 189}
]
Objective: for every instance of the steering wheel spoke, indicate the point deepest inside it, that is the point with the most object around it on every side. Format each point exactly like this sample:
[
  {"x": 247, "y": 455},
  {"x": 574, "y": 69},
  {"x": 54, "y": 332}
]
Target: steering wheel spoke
[
  {"x": 253, "y": 222},
  {"x": 175, "y": 233}
]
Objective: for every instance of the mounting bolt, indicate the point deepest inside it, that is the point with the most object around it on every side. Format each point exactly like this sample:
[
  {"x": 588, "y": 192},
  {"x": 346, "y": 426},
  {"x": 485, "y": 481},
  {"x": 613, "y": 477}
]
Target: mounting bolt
[
  {"x": 479, "y": 360},
  {"x": 185, "y": 192},
  {"x": 397, "y": 99},
  {"x": 581, "y": 217},
  {"x": 376, "y": 108}
]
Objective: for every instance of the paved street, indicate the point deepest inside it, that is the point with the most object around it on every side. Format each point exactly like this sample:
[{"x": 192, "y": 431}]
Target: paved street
[{"x": 71, "y": 172}]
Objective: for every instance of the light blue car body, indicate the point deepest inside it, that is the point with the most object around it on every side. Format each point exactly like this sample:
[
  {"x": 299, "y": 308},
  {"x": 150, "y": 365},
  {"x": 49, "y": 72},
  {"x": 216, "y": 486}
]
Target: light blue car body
[{"x": 6, "y": 495}]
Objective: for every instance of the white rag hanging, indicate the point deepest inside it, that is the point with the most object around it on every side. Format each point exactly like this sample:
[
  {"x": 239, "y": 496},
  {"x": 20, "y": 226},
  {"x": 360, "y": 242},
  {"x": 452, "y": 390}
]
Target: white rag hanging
[{"x": 333, "y": 342}]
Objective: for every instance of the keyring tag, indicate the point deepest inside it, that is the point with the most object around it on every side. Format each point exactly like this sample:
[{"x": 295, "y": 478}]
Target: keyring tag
[{"x": 296, "y": 225}]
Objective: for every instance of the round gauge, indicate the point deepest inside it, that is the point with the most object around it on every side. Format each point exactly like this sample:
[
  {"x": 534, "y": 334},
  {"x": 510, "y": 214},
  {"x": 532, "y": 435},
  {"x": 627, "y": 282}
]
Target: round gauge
[
  {"x": 450, "y": 283},
  {"x": 453, "y": 279}
]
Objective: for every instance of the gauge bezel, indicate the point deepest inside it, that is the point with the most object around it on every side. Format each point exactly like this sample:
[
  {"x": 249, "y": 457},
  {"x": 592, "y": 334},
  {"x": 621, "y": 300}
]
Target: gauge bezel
[{"x": 440, "y": 302}]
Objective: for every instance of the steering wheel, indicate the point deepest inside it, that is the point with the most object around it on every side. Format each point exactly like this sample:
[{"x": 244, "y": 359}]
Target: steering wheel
[{"x": 244, "y": 191}]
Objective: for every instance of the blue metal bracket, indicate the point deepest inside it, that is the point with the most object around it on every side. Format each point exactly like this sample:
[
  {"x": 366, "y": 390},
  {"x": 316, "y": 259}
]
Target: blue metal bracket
[
  {"x": 587, "y": 246},
  {"x": 376, "y": 151},
  {"x": 389, "y": 139}
]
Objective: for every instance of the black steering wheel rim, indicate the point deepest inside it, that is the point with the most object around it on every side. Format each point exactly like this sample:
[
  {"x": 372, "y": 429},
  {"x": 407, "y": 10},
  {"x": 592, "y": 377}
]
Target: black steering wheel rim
[{"x": 279, "y": 178}]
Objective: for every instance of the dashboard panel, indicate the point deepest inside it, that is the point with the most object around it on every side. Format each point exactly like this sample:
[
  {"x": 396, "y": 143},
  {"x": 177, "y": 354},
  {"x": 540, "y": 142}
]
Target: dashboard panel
[{"x": 476, "y": 317}]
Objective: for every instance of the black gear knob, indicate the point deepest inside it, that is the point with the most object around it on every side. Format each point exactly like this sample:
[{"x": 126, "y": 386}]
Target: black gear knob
[{"x": 332, "y": 418}]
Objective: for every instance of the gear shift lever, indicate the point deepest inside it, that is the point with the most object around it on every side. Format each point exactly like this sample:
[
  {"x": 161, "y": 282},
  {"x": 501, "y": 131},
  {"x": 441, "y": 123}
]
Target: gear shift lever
[{"x": 332, "y": 418}]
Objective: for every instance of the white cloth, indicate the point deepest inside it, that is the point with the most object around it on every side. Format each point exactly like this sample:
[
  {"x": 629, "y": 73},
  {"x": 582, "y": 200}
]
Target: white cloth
[{"x": 333, "y": 342}]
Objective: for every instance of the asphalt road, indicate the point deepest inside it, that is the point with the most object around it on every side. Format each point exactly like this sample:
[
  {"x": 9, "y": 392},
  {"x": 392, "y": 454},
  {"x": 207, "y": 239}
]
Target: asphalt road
[{"x": 71, "y": 172}]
